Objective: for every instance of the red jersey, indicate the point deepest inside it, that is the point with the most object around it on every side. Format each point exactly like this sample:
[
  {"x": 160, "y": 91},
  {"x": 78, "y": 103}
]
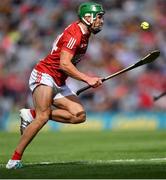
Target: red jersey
[{"x": 72, "y": 40}]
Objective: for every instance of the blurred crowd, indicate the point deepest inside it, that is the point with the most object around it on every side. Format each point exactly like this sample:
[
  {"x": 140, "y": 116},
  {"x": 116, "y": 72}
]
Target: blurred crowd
[{"x": 29, "y": 27}]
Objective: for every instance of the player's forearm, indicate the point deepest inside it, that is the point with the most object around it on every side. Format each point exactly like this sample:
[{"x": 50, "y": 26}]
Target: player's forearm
[{"x": 73, "y": 72}]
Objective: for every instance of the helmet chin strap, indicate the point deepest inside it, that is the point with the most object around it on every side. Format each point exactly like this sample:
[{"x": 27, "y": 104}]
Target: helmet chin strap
[
  {"x": 91, "y": 21},
  {"x": 86, "y": 22},
  {"x": 94, "y": 30}
]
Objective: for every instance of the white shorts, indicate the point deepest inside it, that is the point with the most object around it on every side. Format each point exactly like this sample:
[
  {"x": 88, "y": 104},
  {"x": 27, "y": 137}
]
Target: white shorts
[{"x": 37, "y": 78}]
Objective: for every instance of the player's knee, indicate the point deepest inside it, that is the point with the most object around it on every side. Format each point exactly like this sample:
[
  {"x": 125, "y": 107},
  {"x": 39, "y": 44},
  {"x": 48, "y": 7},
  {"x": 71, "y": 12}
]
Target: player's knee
[
  {"x": 80, "y": 117},
  {"x": 43, "y": 116}
]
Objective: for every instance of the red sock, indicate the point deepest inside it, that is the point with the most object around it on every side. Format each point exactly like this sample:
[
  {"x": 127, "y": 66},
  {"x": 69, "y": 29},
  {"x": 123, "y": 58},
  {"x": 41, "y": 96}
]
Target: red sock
[
  {"x": 16, "y": 156},
  {"x": 33, "y": 113}
]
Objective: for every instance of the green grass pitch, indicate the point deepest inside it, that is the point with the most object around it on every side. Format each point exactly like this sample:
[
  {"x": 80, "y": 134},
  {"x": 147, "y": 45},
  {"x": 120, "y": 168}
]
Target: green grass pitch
[{"x": 88, "y": 155}]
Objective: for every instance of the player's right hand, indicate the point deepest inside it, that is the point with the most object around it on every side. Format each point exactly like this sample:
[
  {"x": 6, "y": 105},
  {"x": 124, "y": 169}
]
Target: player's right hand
[{"x": 94, "y": 81}]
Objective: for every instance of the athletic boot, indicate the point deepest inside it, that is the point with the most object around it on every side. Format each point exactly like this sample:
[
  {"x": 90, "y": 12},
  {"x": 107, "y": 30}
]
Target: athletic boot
[
  {"x": 26, "y": 119},
  {"x": 14, "y": 164}
]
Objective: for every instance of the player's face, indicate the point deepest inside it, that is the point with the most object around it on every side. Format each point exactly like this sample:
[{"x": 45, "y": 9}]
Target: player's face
[{"x": 97, "y": 23}]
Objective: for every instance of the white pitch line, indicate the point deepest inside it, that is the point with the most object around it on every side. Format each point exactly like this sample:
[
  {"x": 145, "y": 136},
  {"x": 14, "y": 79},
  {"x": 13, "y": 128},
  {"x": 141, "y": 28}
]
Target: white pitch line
[
  {"x": 97, "y": 161},
  {"x": 130, "y": 160}
]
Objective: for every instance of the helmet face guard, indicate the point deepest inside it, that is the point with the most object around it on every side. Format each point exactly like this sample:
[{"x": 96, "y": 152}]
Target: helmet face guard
[{"x": 90, "y": 9}]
